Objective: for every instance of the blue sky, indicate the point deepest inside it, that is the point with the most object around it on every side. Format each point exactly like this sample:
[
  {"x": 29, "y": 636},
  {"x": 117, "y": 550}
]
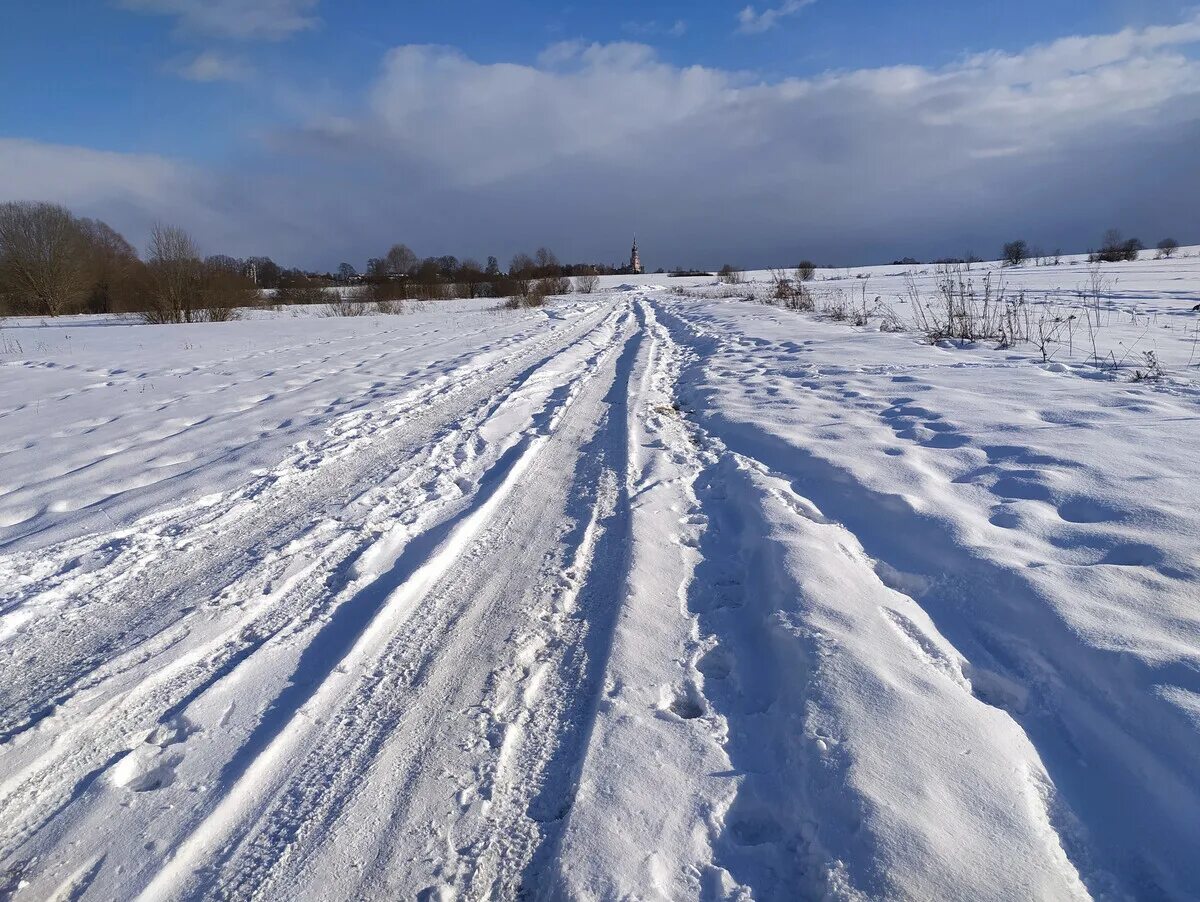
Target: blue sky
[{"x": 257, "y": 119}]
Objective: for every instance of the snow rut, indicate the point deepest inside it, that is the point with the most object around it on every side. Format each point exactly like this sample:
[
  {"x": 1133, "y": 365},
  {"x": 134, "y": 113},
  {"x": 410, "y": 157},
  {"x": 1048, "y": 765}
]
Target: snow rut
[
  {"x": 814, "y": 679},
  {"x": 321, "y": 586},
  {"x": 126, "y": 591},
  {"x": 1094, "y": 740},
  {"x": 451, "y": 738}
]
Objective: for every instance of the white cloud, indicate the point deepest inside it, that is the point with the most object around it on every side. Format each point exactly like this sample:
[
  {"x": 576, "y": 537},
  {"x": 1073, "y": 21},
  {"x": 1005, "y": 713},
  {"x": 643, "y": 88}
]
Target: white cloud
[
  {"x": 613, "y": 132},
  {"x": 1055, "y": 143},
  {"x": 483, "y": 123},
  {"x": 132, "y": 191},
  {"x": 237, "y": 19},
  {"x": 587, "y": 101},
  {"x": 82, "y": 177},
  {"x": 751, "y": 21},
  {"x": 211, "y": 66}
]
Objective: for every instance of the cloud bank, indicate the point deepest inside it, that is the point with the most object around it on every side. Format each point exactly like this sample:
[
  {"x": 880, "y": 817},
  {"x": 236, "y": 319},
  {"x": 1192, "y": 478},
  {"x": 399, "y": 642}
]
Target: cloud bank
[{"x": 594, "y": 142}]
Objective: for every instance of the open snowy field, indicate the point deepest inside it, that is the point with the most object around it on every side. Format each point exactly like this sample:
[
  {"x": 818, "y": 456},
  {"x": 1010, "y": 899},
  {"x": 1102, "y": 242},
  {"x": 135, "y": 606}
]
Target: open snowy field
[{"x": 650, "y": 594}]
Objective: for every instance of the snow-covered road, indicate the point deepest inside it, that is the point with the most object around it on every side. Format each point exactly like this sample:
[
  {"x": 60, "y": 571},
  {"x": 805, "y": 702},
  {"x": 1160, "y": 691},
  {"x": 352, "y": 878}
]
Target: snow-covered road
[{"x": 642, "y": 596}]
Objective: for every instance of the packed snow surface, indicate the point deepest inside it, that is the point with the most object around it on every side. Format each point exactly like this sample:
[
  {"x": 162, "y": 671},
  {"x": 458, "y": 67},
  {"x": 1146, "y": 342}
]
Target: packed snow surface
[{"x": 649, "y": 594}]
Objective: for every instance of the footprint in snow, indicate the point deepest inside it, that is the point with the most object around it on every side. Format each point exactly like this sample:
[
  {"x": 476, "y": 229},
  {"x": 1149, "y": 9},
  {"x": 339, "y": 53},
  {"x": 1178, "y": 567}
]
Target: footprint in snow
[{"x": 682, "y": 703}]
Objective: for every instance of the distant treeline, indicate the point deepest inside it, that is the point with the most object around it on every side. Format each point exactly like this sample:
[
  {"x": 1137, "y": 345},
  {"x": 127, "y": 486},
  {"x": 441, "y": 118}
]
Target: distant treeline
[
  {"x": 1114, "y": 248},
  {"x": 53, "y": 262},
  {"x": 400, "y": 273}
]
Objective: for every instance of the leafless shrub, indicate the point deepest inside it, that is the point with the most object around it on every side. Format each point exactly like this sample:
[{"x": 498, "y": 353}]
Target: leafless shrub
[
  {"x": 1115, "y": 249},
  {"x": 219, "y": 314},
  {"x": 386, "y": 290},
  {"x": 889, "y": 321},
  {"x": 836, "y": 306},
  {"x": 549, "y": 286},
  {"x": 389, "y": 308},
  {"x": 539, "y": 290},
  {"x": 966, "y": 312},
  {"x": 806, "y": 270},
  {"x": 9, "y": 346},
  {"x": 1047, "y": 332},
  {"x": 782, "y": 286},
  {"x": 1151, "y": 369},
  {"x": 841, "y": 306},
  {"x": 346, "y": 306},
  {"x": 731, "y": 275},
  {"x": 517, "y": 286},
  {"x": 587, "y": 283},
  {"x": 432, "y": 291},
  {"x": 790, "y": 293},
  {"x": 1097, "y": 286},
  {"x": 301, "y": 293}
]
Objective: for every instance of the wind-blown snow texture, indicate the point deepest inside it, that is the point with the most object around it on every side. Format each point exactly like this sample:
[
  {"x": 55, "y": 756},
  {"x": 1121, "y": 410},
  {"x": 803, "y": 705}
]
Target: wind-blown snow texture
[{"x": 639, "y": 596}]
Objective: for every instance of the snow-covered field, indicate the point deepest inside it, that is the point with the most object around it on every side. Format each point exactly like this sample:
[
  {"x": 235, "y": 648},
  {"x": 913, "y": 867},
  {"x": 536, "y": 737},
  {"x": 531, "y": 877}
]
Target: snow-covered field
[{"x": 652, "y": 594}]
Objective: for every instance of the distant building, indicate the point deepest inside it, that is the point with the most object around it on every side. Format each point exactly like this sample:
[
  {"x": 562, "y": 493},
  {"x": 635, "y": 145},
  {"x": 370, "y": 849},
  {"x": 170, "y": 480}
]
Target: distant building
[{"x": 635, "y": 260}]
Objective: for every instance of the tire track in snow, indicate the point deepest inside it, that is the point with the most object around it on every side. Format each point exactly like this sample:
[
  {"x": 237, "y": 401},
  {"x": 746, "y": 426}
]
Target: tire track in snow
[
  {"x": 398, "y": 713},
  {"x": 654, "y": 749},
  {"x": 119, "y": 595},
  {"x": 117, "y": 723},
  {"x": 795, "y": 619},
  {"x": 1111, "y": 755}
]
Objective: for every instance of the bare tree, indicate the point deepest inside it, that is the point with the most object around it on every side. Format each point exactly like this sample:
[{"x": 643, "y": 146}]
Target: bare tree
[
  {"x": 470, "y": 277},
  {"x": 267, "y": 271},
  {"x": 1016, "y": 253},
  {"x": 42, "y": 266},
  {"x": 520, "y": 273},
  {"x": 400, "y": 259},
  {"x": 546, "y": 262},
  {"x": 1167, "y": 247},
  {"x": 224, "y": 286},
  {"x": 111, "y": 265},
  {"x": 175, "y": 271},
  {"x": 521, "y": 265}
]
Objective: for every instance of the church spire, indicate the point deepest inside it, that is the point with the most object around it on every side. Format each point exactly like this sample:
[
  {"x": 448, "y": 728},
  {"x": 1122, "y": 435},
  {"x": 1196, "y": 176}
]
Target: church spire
[{"x": 635, "y": 259}]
